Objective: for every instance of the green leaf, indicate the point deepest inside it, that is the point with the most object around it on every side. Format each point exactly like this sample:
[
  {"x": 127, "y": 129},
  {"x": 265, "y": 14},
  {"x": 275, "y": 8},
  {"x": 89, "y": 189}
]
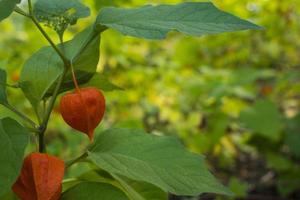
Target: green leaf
[
  {"x": 154, "y": 22},
  {"x": 59, "y": 14},
  {"x": 7, "y": 7},
  {"x": 94, "y": 191},
  {"x": 85, "y": 63},
  {"x": 95, "y": 175},
  {"x": 217, "y": 125},
  {"x": 9, "y": 196},
  {"x": 13, "y": 140},
  {"x": 3, "y": 96},
  {"x": 137, "y": 190},
  {"x": 238, "y": 188},
  {"x": 292, "y": 135},
  {"x": 159, "y": 160},
  {"x": 41, "y": 71},
  {"x": 278, "y": 162},
  {"x": 288, "y": 182},
  {"x": 101, "y": 82},
  {"x": 263, "y": 118}
]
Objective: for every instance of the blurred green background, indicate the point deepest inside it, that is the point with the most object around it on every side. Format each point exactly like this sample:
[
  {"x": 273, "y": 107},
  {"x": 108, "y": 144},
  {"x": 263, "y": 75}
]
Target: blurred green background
[{"x": 233, "y": 97}]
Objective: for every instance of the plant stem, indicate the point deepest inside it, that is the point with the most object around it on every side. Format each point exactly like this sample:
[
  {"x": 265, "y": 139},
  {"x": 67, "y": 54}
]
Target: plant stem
[
  {"x": 42, "y": 146},
  {"x": 53, "y": 98},
  {"x": 20, "y": 11},
  {"x": 58, "y": 51},
  {"x": 11, "y": 86},
  {"x": 21, "y": 115},
  {"x": 30, "y": 7},
  {"x": 35, "y": 21},
  {"x": 72, "y": 162},
  {"x": 74, "y": 79},
  {"x": 67, "y": 65},
  {"x": 33, "y": 130},
  {"x": 44, "y": 123}
]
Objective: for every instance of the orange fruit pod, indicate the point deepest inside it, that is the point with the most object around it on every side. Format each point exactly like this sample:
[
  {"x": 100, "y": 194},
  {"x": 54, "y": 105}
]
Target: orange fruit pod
[
  {"x": 83, "y": 109},
  {"x": 40, "y": 178}
]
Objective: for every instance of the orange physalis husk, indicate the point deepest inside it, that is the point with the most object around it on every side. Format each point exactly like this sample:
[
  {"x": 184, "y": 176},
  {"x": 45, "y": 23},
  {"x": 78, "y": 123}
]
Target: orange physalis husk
[
  {"x": 83, "y": 109},
  {"x": 41, "y": 178}
]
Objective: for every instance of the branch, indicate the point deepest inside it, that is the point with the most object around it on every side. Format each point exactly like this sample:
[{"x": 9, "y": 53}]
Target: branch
[
  {"x": 21, "y": 12},
  {"x": 21, "y": 115},
  {"x": 73, "y": 161},
  {"x": 44, "y": 123},
  {"x": 35, "y": 21},
  {"x": 58, "y": 51},
  {"x": 16, "y": 86}
]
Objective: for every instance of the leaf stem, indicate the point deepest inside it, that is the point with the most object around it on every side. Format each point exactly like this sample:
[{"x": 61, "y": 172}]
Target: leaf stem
[
  {"x": 67, "y": 64},
  {"x": 73, "y": 161},
  {"x": 11, "y": 86},
  {"x": 35, "y": 21},
  {"x": 58, "y": 51},
  {"x": 74, "y": 79},
  {"x": 21, "y": 12},
  {"x": 42, "y": 146},
  {"x": 30, "y": 7},
  {"x": 44, "y": 124},
  {"x": 21, "y": 115},
  {"x": 31, "y": 16}
]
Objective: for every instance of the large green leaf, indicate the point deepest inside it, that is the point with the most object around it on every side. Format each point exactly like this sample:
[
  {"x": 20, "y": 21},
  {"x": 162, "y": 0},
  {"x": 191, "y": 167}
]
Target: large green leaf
[
  {"x": 7, "y": 7},
  {"x": 3, "y": 96},
  {"x": 137, "y": 190},
  {"x": 94, "y": 191},
  {"x": 101, "y": 82},
  {"x": 59, "y": 14},
  {"x": 159, "y": 160},
  {"x": 263, "y": 118},
  {"x": 86, "y": 62},
  {"x": 13, "y": 140},
  {"x": 9, "y": 196},
  {"x": 292, "y": 135},
  {"x": 41, "y": 71},
  {"x": 154, "y": 22}
]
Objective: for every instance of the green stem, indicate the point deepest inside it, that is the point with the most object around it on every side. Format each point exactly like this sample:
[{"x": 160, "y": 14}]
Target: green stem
[
  {"x": 42, "y": 146},
  {"x": 37, "y": 115},
  {"x": 44, "y": 107},
  {"x": 53, "y": 98},
  {"x": 21, "y": 115},
  {"x": 73, "y": 161},
  {"x": 44, "y": 123},
  {"x": 11, "y": 86},
  {"x": 30, "y": 7},
  {"x": 48, "y": 111},
  {"x": 35, "y": 21},
  {"x": 61, "y": 55},
  {"x": 33, "y": 130},
  {"x": 67, "y": 65},
  {"x": 21, "y": 12}
]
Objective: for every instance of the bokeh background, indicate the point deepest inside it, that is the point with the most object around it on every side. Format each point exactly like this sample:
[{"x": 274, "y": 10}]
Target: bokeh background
[{"x": 233, "y": 97}]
